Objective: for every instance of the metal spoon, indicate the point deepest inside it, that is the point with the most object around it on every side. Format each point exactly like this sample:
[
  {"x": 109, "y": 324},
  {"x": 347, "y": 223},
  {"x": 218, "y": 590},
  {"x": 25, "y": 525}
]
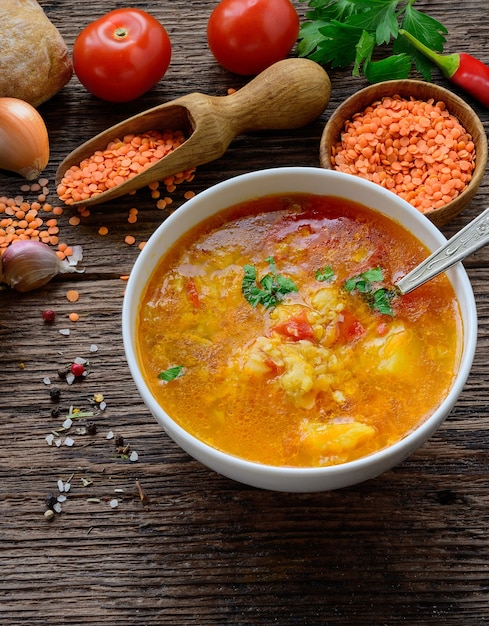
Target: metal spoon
[
  {"x": 289, "y": 94},
  {"x": 472, "y": 237}
]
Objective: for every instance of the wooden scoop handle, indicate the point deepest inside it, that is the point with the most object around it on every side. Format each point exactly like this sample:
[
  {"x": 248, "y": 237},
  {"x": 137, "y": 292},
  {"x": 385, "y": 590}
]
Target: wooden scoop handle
[{"x": 288, "y": 94}]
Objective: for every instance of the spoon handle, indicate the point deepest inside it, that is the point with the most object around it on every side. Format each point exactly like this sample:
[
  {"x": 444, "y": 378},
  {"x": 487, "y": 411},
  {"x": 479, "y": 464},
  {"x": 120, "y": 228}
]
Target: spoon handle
[{"x": 472, "y": 237}]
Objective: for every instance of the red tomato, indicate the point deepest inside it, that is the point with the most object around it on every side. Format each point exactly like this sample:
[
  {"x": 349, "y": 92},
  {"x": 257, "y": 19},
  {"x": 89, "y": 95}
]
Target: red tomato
[
  {"x": 349, "y": 327},
  {"x": 121, "y": 55},
  {"x": 247, "y": 36},
  {"x": 297, "y": 328}
]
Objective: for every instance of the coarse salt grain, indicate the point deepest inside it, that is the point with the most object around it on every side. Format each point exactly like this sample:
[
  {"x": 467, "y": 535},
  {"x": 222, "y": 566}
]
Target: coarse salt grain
[
  {"x": 50, "y": 439},
  {"x": 93, "y": 348},
  {"x": 68, "y": 423},
  {"x": 134, "y": 456},
  {"x": 69, "y": 442},
  {"x": 110, "y": 435},
  {"x": 57, "y": 507},
  {"x": 114, "y": 503},
  {"x": 64, "y": 331}
]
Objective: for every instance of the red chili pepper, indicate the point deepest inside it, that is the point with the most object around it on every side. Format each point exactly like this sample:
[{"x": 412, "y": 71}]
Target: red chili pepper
[{"x": 461, "y": 69}]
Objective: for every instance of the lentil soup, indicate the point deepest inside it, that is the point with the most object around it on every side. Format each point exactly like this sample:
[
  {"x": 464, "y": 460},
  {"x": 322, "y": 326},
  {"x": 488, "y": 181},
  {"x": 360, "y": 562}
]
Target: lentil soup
[{"x": 271, "y": 331}]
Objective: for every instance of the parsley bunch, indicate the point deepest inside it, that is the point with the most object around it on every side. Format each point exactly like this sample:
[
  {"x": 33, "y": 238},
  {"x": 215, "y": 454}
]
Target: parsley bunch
[{"x": 340, "y": 33}]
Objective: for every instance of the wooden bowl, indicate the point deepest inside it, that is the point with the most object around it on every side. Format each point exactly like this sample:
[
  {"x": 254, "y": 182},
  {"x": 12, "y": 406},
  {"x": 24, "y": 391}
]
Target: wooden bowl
[{"x": 420, "y": 90}]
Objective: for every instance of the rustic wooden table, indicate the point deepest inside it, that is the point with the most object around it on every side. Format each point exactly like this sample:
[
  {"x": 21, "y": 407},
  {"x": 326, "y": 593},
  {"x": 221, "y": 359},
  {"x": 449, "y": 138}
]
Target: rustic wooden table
[{"x": 185, "y": 545}]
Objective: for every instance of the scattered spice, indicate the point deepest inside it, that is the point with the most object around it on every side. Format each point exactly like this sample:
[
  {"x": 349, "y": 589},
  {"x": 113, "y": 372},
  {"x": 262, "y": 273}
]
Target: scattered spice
[
  {"x": 73, "y": 317},
  {"x": 416, "y": 149},
  {"x": 77, "y": 369},
  {"x": 55, "y": 394},
  {"x": 130, "y": 240},
  {"x": 49, "y": 316}
]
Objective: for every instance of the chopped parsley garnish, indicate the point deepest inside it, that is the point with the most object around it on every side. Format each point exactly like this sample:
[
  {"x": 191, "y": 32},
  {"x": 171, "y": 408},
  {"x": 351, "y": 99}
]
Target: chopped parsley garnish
[
  {"x": 378, "y": 299},
  {"x": 325, "y": 274},
  {"x": 270, "y": 290},
  {"x": 171, "y": 373}
]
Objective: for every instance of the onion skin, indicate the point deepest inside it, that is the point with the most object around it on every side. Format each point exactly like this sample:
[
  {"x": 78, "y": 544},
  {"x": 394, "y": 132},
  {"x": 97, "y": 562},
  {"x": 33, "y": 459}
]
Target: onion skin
[
  {"x": 24, "y": 140},
  {"x": 28, "y": 264}
]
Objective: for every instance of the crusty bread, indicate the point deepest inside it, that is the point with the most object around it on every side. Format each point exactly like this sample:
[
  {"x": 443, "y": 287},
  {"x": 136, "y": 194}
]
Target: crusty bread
[{"x": 34, "y": 59}]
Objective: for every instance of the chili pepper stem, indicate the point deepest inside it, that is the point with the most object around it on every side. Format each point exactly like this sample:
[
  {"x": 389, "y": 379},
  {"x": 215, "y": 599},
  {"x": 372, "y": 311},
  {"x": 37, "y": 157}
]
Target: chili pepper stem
[{"x": 448, "y": 63}]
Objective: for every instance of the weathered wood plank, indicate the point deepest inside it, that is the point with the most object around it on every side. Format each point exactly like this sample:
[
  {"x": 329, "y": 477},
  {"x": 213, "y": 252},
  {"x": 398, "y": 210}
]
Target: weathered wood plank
[{"x": 409, "y": 547}]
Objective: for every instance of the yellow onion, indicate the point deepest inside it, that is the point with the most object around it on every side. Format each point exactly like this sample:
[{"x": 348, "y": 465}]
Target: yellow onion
[
  {"x": 28, "y": 264},
  {"x": 24, "y": 141}
]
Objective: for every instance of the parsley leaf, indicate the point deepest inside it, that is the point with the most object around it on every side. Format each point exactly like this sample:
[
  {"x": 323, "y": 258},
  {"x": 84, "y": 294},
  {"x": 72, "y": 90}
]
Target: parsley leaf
[
  {"x": 270, "y": 290},
  {"x": 345, "y": 32},
  {"x": 171, "y": 373},
  {"x": 325, "y": 274},
  {"x": 378, "y": 299}
]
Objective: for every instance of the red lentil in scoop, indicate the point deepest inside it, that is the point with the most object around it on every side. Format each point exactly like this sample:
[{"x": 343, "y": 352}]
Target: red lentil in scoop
[
  {"x": 416, "y": 149},
  {"x": 121, "y": 160}
]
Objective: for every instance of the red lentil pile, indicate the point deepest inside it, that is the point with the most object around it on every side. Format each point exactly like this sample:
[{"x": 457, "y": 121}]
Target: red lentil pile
[{"x": 416, "y": 149}]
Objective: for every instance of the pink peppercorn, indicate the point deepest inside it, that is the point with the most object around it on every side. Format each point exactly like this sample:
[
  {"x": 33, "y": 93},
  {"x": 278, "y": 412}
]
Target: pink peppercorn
[
  {"x": 48, "y": 316},
  {"x": 77, "y": 369}
]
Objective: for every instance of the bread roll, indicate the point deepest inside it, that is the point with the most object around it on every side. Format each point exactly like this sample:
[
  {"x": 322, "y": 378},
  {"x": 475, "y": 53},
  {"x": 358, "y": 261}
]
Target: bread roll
[{"x": 34, "y": 59}]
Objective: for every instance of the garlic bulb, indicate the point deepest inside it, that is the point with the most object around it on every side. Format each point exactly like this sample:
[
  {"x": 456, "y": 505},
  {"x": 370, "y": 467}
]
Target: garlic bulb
[
  {"x": 27, "y": 264},
  {"x": 24, "y": 141}
]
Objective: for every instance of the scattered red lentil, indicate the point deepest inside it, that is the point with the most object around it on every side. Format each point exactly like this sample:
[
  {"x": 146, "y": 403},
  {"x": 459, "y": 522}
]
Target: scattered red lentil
[
  {"x": 416, "y": 149},
  {"x": 72, "y": 295},
  {"x": 23, "y": 219},
  {"x": 73, "y": 317},
  {"x": 130, "y": 240},
  {"x": 103, "y": 230}
]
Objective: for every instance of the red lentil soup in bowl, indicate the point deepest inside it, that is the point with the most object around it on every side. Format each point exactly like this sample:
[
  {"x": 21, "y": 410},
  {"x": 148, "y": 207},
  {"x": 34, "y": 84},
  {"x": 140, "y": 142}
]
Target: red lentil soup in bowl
[{"x": 263, "y": 330}]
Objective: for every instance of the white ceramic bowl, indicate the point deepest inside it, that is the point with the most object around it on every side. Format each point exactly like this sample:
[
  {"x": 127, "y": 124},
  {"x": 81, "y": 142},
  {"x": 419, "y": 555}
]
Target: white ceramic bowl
[{"x": 294, "y": 180}]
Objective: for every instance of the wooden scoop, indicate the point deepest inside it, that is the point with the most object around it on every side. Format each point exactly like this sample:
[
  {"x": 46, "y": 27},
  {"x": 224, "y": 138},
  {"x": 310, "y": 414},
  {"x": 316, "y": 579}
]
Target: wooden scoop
[{"x": 289, "y": 94}]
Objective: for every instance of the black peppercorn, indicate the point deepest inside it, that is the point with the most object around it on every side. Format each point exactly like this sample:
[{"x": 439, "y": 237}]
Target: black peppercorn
[
  {"x": 119, "y": 441},
  {"x": 91, "y": 428},
  {"x": 50, "y": 501},
  {"x": 55, "y": 394}
]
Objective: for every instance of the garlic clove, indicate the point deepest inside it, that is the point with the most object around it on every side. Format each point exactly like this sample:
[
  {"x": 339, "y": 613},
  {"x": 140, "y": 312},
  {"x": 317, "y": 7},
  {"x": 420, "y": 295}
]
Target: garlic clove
[
  {"x": 24, "y": 140},
  {"x": 27, "y": 265}
]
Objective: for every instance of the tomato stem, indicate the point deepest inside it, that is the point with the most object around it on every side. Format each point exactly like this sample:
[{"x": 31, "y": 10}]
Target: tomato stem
[{"x": 120, "y": 32}]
